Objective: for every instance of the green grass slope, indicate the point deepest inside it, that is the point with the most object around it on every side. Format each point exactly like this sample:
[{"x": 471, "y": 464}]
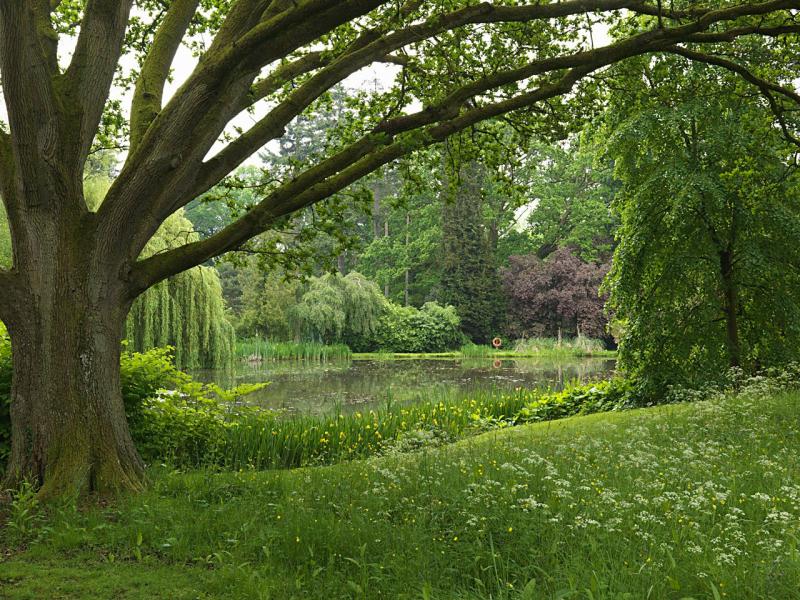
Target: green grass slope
[{"x": 686, "y": 501}]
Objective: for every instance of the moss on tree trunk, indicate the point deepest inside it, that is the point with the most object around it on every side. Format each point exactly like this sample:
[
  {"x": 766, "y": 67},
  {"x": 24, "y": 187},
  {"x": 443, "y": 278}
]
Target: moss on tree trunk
[{"x": 69, "y": 430}]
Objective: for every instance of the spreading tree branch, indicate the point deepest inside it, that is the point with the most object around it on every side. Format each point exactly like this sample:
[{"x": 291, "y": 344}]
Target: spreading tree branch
[
  {"x": 199, "y": 107},
  {"x": 91, "y": 72},
  {"x": 149, "y": 92},
  {"x": 173, "y": 146},
  {"x": 293, "y": 27},
  {"x": 284, "y": 74},
  {"x": 273, "y": 124},
  {"x": 343, "y": 169}
]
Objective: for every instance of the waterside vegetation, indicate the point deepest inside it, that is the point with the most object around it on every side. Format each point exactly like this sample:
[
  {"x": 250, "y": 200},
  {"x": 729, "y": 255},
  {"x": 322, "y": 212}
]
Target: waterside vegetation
[
  {"x": 255, "y": 350},
  {"x": 177, "y": 421}
]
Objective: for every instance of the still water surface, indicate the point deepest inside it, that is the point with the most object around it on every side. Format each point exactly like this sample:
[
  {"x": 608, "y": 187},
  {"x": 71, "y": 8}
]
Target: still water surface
[{"x": 349, "y": 385}]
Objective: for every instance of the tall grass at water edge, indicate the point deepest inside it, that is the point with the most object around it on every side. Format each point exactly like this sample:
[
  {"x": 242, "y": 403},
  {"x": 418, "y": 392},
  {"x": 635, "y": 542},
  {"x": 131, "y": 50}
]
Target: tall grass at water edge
[
  {"x": 546, "y": 347},
  {"x": 179, "y": 430},
  {"x": 251, "y": 438},
  {"x": 256, "y": 349}
]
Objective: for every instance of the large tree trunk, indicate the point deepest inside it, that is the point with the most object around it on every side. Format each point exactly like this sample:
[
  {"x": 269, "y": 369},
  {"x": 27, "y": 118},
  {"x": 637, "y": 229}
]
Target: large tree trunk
[{"x": 69, "y": 430}]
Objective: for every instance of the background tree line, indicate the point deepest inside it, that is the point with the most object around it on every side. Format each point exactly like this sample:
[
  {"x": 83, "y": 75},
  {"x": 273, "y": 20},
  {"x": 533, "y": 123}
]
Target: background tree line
[{"x": 692, "y": 189}]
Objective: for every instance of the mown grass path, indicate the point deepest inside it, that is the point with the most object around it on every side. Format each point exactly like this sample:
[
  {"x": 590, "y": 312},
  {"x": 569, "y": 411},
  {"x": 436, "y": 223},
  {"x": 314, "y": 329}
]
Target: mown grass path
[{"x": 686, "y": 501}]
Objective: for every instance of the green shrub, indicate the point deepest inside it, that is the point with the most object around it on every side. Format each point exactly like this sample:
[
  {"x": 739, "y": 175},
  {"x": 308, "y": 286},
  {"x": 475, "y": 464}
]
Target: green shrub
[
  {"x": 188, "y": 426},
  {"x": 433, "y": 328},
  {"x": 578, "y": 399},
  {"x": 143, "y": 374},
  {"x": 182, "y": 423}
]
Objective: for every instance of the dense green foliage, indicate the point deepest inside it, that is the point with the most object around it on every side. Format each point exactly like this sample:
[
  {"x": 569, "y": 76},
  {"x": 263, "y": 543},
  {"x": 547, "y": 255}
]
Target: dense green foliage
[
  {"x": 186, "y": 311},
  {"x": 573, "y": 192},
  {"x": 432, "y": 328},
  {"x": 336, "y": 308},
  {"x": 706, "y": 273},
  {"x": 701, "y": 518},
  {"x": 401, "y": 251},
  {"x": 418, "y": 238},
  {"x": 264, "y": 306}
]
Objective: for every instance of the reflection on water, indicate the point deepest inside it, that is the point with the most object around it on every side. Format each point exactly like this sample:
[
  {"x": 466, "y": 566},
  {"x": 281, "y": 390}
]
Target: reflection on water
[{"x": 313, "y": 387}]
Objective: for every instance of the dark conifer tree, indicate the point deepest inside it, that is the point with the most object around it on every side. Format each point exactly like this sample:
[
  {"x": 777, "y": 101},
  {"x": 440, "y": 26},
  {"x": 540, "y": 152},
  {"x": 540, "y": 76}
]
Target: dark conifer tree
[{"x": 470, "y": 279}]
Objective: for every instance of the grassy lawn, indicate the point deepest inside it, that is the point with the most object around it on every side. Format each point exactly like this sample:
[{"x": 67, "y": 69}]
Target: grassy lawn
[{"x": 685, "y": 501}]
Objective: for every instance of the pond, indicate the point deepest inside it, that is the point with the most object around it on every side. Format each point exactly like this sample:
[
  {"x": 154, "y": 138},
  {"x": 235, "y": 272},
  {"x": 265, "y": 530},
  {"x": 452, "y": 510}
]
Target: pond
[{"x": 349, "y": 385}]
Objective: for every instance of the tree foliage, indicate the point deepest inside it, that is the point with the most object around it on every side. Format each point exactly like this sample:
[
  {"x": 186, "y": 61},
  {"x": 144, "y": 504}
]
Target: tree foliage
[
  {"x": 555, "y": 296},
  {"x": 572, "y": 191},
  {"x": 470, "y": 280},
  {"x": 186, "y": 311},
  {"x": 706, "y": 272},
  {"x": 432, "y": 328},
  {"x": 401, "y": 240},
  {"x": 266, "y": 302},
  {"x": 337, "y": 308}
]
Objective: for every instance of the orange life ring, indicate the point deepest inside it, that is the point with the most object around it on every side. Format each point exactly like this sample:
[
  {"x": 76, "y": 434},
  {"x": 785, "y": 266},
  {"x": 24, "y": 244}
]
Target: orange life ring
[{"x": 497, "y": 342}]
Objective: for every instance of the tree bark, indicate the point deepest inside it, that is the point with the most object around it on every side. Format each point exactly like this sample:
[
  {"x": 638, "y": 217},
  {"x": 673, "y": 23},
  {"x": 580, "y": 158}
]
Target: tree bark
[
  {"x": 69, "y": 430},
  {"x": 341, "y": 264},
  {"x": 730, "y": 308},
  {"x": 408, "y": 271},
  {"x": 386, "y": 235}
]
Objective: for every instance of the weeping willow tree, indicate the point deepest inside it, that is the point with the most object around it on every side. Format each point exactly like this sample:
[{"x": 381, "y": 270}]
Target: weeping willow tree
[
  {"x": 337, "y": 308},
  {"x": 186, "y": 311}
]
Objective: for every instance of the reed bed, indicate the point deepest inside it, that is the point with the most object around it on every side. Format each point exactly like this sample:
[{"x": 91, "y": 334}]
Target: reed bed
[
  {"x": 256, "y": 350},
  {"x": 578, "y": 346},
  {"x": 187, "y": 433},
  {"x": 540, "y": 347}
]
